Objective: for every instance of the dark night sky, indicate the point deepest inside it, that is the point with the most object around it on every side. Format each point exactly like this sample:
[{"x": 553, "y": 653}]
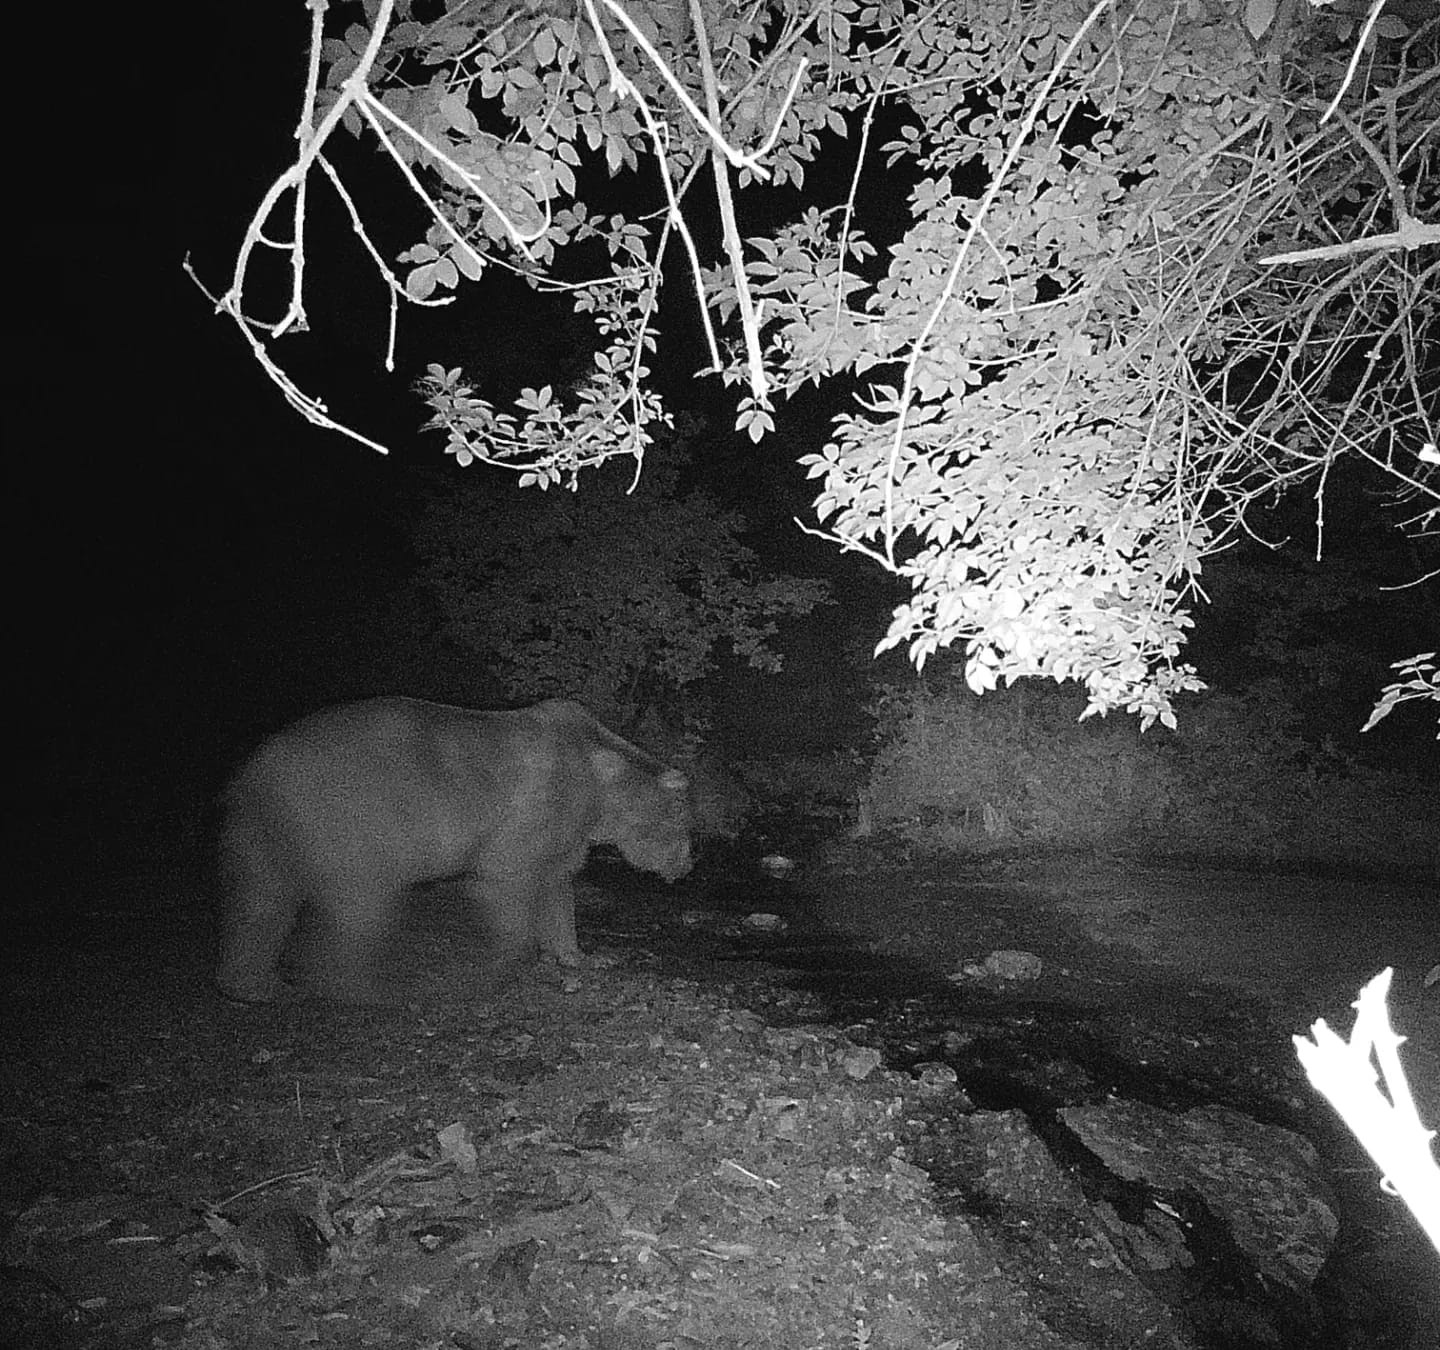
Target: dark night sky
[
  {"x": 185, "y": 540},
  {"x": 162, "y": 482}
]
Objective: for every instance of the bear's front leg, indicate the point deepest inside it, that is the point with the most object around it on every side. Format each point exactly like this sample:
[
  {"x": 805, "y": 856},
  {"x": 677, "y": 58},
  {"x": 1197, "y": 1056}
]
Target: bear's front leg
[{"x": 554, "y": 926}]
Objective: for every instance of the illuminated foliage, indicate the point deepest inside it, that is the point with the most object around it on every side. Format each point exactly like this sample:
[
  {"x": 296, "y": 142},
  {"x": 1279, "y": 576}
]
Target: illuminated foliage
[{"x": 1088, "y": 279}]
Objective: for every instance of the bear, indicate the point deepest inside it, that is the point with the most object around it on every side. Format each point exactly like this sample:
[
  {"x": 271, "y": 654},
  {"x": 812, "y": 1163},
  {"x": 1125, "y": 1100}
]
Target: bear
[{"x": 335, "y": 818}]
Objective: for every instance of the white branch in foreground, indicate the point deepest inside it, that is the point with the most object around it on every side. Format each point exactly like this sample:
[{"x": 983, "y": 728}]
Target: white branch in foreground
[{"x": 1345, "y": 1074}]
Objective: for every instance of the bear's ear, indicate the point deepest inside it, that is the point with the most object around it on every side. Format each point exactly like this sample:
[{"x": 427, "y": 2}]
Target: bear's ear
[
  {"x": 609, "y": 765},
  {"x": 672, "y": 780}
]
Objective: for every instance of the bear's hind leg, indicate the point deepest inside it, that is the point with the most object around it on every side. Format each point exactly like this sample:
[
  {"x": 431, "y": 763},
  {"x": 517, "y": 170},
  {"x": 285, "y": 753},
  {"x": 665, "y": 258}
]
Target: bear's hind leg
[
  {"x": 343, "y": 950},
  {"x": 503, "y": 906},
  {"x": 261, "y": 905}
]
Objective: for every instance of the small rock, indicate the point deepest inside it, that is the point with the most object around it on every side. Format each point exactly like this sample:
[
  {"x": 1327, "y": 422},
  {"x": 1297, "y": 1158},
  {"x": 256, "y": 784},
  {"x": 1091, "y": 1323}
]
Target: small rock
[
  {"x": 598, "y": 1125},
  {"x": 953, "y": 1042},
  {"x": 435, "y": 1237},
  {"x": 457, "y": 1148},
  {"x": 935, "y": 1079},
  {"x": 745, "y": 1022},
  {"x": 783, "y": 1116},
  {"x": 1013, "y": 965},
  {"x": 777, "y": 866},
  {"x": 764, "y": 923},
  {"x": 1001, "y": 965},
  {"x": 510, "y": 1272},
  {"x": 860, "y": 1062},
  {"x": 284, "y": 1242}
]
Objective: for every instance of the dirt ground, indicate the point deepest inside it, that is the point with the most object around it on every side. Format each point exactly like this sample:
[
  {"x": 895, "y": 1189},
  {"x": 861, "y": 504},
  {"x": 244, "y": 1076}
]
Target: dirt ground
[
  {"x": 707, "y": 1138},
  {"x": 1300, "y": 944}
]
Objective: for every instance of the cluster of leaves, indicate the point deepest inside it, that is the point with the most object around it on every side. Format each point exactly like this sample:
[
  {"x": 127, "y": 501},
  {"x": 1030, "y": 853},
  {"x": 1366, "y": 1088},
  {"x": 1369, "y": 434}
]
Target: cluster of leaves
[
  {"x": 1419, "y": 677},
  {"x": 1075, "y": 369},
  {"x": 620, "y": 599},
  {"x": 1093, "y": 397}
]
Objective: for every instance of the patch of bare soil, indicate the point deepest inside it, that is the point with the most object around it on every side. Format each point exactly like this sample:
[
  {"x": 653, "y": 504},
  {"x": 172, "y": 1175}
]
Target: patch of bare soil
[{"x": 671, "y": 1149}]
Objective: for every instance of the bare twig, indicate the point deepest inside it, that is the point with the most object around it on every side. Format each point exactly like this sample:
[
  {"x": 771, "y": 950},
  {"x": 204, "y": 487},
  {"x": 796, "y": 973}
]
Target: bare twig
[
  {"x": 280, "y": 1180},
  {"x": 1390, "y": 1130},
  {"x": 1411, "y": 234},
  {"x": 729, "y": 230},
  {"x": 1370, "y": 21}
]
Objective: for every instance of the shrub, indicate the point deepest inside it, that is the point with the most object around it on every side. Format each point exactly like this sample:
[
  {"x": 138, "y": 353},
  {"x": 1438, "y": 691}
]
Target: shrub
[{"x": 1235, "y": 781}]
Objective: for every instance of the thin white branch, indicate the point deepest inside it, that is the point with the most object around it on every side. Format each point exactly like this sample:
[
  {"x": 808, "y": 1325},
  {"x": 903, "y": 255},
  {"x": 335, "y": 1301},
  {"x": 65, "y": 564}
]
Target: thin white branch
[
  {"x": 740, "y": 159},
  {"x": 369, "y": 105},
  {"x": 311, "y": 409},
  {"x": 311, "y": 140},
  {"x": 1370, "y": 21},
  {"x": 729, "y": 230},
  {"x": 1390, "y": 1130},
  {"x": 675, "y": 219},
  {"x": 1412, "y": 234}
]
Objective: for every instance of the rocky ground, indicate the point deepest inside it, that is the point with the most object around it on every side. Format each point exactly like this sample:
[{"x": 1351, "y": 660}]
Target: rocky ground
[{"x": 840, "y": 1127}]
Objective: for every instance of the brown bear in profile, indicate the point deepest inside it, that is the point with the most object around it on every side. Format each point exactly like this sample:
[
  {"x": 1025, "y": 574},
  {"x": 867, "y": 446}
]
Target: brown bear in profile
[{"x": 335, "y": 818}]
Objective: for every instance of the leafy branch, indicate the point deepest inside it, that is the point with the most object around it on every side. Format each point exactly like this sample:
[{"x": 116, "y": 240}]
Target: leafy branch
[{"x": 1130, "y": 274}]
